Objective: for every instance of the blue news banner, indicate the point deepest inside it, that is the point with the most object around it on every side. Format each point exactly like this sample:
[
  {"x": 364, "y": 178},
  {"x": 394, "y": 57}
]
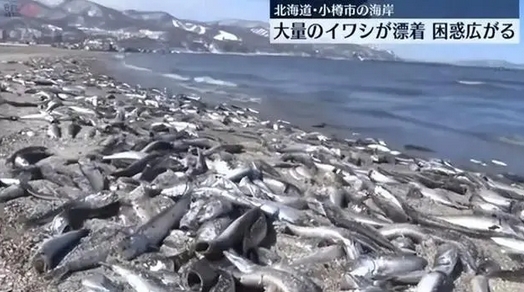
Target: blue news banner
[{"x": 394, "y": 21}]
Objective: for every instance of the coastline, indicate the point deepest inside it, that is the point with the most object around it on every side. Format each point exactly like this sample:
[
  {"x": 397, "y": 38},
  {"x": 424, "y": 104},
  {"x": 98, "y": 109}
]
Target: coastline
[
  {"x": 17, "y": 244},
  {"x": 345, "y": 112}
]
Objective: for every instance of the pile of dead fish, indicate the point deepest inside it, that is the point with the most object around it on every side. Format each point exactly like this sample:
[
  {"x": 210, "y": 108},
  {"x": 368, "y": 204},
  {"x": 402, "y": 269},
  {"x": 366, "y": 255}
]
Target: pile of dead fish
[{"x": 179, "y": 195}]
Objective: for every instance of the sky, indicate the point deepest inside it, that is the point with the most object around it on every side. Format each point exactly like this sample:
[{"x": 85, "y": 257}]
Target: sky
[{"x": 207, "y": 10}]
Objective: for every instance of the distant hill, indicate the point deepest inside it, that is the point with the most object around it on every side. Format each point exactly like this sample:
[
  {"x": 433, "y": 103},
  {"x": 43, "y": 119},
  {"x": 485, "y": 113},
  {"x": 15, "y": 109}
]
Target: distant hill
[
  {"x": 85, "y": 24},
  {"x": 489, "y": 63}
]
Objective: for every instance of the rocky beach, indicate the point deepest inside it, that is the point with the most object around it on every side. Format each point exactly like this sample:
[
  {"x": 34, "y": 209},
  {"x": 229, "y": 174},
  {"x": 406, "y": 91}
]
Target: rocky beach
[{"x": 107, "y": 186}]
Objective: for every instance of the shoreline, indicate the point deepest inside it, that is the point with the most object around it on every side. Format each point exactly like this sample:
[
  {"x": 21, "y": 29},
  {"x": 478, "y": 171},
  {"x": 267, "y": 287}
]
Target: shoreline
[
  {"x": 269, "y": 109},
  {"x": 17, "y": 244}
]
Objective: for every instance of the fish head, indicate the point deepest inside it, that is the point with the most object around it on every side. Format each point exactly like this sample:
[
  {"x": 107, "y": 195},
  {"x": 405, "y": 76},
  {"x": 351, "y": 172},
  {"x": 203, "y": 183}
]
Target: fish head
[
  {"x": 446, "y": 258},
  {"x": 59, "y": 224},
  {"x": 363, "y": 267},
  {"x": 20, "y": 162},
  {"x": 487, "y": 267},
  {"x": 41, "y": 263}
]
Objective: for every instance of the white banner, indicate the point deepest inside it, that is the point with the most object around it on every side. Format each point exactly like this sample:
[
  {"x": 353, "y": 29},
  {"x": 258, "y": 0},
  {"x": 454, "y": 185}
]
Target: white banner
[{"x": 394, "y": 31}]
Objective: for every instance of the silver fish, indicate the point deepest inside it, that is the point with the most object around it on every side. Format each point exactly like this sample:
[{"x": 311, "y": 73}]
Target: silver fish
[
  {"x": 259, "y": 276},
  {"x": 386, "y": 266}
]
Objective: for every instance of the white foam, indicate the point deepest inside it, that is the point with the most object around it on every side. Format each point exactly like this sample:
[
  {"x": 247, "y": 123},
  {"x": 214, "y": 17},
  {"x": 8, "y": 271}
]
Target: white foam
[
  {"x": 497, "y": 162},
  {"x": 246, "y": 99},
  {"x": 477, "y": 162},
  {"x": 212, "y": 81},
  {"x": 514, "y": 140},
  {"x": 137, "y": 68},
  {"x": 470, "y": 82},
  {"x": 176, "y": 77}
]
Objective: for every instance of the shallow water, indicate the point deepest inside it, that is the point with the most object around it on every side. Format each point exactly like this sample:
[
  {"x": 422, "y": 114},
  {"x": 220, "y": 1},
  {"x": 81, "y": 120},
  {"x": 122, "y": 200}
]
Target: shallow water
[{"x": 461, "y": 113}]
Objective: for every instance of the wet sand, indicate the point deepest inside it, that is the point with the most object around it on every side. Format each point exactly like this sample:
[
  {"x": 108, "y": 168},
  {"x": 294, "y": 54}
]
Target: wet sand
[{"x": 17, "y": 244}]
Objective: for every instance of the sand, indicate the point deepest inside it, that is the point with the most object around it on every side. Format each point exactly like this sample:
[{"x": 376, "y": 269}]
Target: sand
[{"x": 17, "y": 244}]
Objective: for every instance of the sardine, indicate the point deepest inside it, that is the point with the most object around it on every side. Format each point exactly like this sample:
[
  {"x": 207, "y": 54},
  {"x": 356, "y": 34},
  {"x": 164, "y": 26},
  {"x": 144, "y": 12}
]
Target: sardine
[
  {"x": 325, "y": 232},
  {"x": 480, "y": 284},
  {"x": 138, "y": 281},
  {"x": 151, "y": 234},
  {"x": 384, "y": 267},
  {"x": 235, "y": 233},
  {"x": 258, "y": 276},
  {"x": 53, "y": 250},
  {"x": 100, "y": 283}
]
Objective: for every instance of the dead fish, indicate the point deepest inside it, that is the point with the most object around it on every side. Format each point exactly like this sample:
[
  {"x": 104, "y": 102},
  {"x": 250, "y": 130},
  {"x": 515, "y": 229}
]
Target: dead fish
[
  {"x": 100, "y": 283},
  {"x": 437, "y": 195},
  {"x": 482, "y": 223},
  {"x": 432, "y": 282},
  {"x": 137, "y": 166},
  {"x": 377, "y": 177},
  {"x": 244, "y": 230},
  {"x": 331, "y": 233},
  {"x": 151, "y": 234},
  {"x": 138, "y": 280},
  {"x": 74, "y": 217},
  {"x": 439, "y": 278},
  {"x": 225, "y": 283},
  {"x": 263, "y": 277},
  {"x": 324, "y": 254},
  {"x": 214, "y": 208},
  {"x": 211, "y": 229},
  {"x": 201, "y": 276},
  {"x": 12, "y": 192},
  {"x": 384, "y": 267},
  {"x": 54, "y": 249},
  {"x": 480, "y": 284},
  {"x": 189, "y": 221},
  {"x": 94, "y": 175},
  {"x": 28, "y": 156},
  {"x": 73, "y": 129},
  {"x": 54, "y": 131},
  {"x": 131, "y": 155},
  {"x": 512, "y": 245}
]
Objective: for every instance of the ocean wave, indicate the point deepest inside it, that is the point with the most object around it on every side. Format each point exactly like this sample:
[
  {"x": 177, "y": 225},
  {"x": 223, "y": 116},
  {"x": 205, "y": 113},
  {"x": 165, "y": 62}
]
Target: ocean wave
[
  {"x": 470, "y": 82},
  {"x": 512, "y": 140},
  {"x": 212, "y": 81},
  {"x": 119, "y": 56},
  {"x": 137, "y": 68},
  {"x": 495, "y": 84},
  {"x": 218, "y": 52},
  {"x": 246, "y": 99},
  {"x": 176, "y": 77}
]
